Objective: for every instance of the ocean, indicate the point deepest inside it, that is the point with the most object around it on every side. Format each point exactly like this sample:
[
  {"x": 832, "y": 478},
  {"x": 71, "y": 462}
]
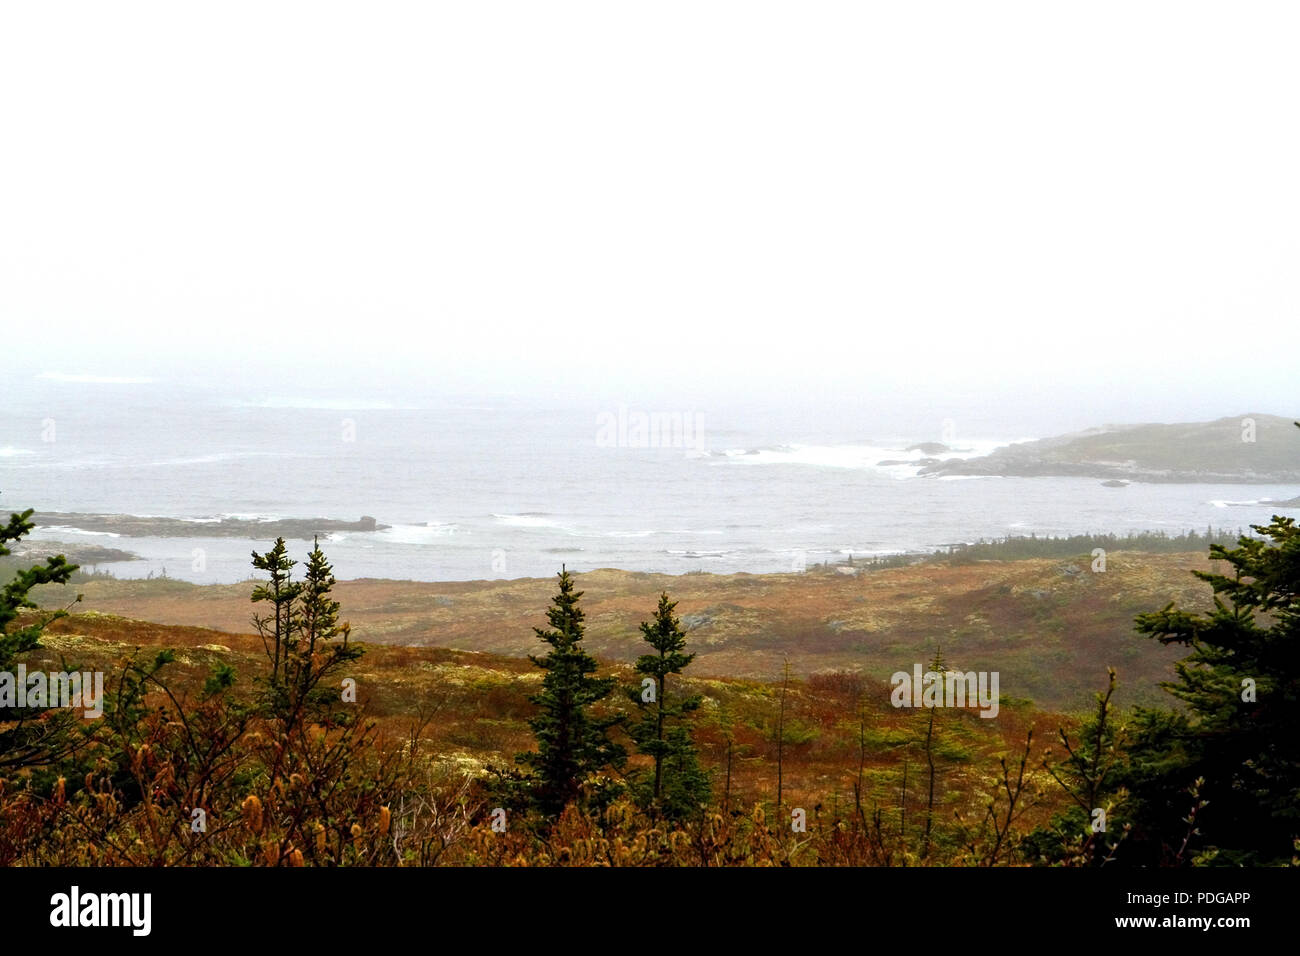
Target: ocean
[{"x": 512, "y": 487}]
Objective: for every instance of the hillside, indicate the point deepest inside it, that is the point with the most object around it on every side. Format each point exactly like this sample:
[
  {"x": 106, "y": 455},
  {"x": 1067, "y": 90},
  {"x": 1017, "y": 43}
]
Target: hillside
[
  {"x": 1198, "y": 452},
  {"x": 469, "y": 711},
  {"x": 1049, "y": 626}
]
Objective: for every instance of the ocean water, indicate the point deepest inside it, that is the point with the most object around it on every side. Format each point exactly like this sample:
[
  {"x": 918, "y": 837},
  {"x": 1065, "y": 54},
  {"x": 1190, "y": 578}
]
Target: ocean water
[{"x": 505, "y": 488}]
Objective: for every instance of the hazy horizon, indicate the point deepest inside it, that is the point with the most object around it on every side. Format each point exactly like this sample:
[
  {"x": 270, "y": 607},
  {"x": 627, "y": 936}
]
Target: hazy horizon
[{"x": 1004, "y": 206}]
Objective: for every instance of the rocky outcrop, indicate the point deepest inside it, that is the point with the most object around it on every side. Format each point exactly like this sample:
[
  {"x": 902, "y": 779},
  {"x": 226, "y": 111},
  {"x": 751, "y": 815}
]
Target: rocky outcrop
[
  {"x": 134, "y": 526},
  {"x": 1243, "y": 449},
  {"x": 81, "y": 554}
]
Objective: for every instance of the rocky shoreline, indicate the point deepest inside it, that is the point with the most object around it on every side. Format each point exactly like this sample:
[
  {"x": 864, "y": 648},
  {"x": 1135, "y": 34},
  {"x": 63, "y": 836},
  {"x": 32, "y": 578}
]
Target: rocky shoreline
[
  {"x": 135, "y": 526},
  {"x": 79, "y": 554},
  {"x": 1246, "y": 449}
]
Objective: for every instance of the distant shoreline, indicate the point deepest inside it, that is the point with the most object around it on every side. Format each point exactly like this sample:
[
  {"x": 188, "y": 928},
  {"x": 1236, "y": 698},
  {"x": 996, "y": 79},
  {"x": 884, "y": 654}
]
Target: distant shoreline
[
  {"x": 1252, "y": 449},
  {"x": 136, "y": 526},
  {"x": 90, "y": 556}
]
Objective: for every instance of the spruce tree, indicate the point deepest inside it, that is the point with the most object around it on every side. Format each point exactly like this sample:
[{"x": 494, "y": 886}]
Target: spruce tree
[
  {"x": 300, "y": 633},
  {"x": 281, "y": 593},
  {"x": 678, "y": 786},
  {"x": 1086, "y": 771},
  {"x": 26, "y": 740},
  {"x": 316, "y": 653},
  {"x": 940, "y": 667},
  {"x": 1237, "y": 732},
  {"x": 573, "y": 743}
]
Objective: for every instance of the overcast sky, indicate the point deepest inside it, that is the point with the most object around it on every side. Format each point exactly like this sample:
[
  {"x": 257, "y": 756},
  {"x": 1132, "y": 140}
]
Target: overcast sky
[{"x": 764, "y": 197}]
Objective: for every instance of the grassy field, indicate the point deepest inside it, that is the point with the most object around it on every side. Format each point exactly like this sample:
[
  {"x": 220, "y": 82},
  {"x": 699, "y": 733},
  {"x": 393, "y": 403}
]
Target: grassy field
[
  {"x": 445, "y": 673},
  {"x": 1050, "y": 627},
  {"x": 471, "y": 708}
]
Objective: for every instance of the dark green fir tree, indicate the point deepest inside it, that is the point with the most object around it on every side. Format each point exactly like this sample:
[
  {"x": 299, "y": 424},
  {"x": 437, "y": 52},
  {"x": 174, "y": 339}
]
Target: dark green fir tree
[
  {"x": 573, "y": 744},
  {"x": 1221, "y": 779},
  {"x": 305, "y": 643},
  {"x": 26, "y": 740},
  {"x": 677, "y": 787},
  {"x": 320, "y": 649}
]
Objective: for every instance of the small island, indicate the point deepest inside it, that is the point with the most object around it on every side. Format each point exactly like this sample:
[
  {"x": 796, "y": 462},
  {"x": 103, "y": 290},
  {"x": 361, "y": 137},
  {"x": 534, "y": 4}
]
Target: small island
[
  {"x": 135, "y": 526},
  {"x": 1242, "y": 449}
]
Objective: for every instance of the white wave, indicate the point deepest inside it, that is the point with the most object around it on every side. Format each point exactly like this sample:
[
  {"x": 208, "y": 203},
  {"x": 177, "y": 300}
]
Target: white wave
[
  {"x": 95, "y": 379},
  {"x": 419, "y": 533},
  {"x": 69, "y": 529},
  {"x": 240, "y": 516},
  {"x": 211, "y": 459},
  {"x": 1223, "y": 503},
  {"x": 79, "y": 464},
  {"x": 326, "y": 404},
  {"x": 857, "y": 457},
  {"x": 11, "y": 452},
  {"x": 819, "y": 552},
  {"x": 204, "y": 520},
  {"x": 641, "y": 533},
  {"x": 527, "y": 520}
]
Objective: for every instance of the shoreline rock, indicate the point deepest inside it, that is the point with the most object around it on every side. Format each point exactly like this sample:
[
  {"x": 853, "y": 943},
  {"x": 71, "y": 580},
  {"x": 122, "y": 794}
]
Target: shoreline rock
[
  {"x": 134, "y": 526},
  {"x": 79, "y": 554}
]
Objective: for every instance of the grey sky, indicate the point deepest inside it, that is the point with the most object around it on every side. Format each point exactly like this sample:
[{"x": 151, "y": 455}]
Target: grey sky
[{"x": 766, "y": 197}]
